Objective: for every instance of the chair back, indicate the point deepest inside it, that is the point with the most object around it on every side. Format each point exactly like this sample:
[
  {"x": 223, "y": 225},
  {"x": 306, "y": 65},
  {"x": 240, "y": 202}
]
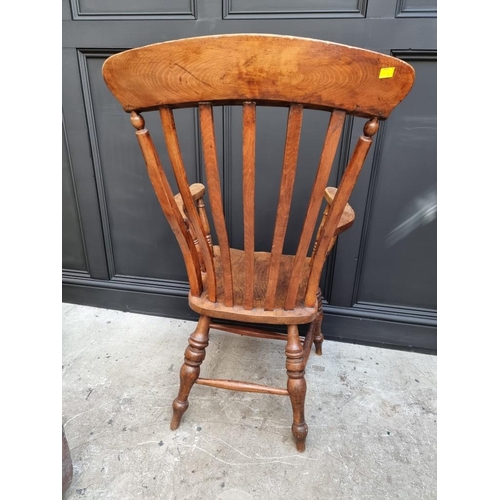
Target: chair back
[{"x": 250, "y": 70}]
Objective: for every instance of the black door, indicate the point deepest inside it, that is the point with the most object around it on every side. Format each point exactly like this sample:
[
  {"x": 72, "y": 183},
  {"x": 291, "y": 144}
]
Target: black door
[{"x": 118, "y": 251}]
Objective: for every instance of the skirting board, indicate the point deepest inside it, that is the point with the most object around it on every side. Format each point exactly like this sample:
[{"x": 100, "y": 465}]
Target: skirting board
[{"x": 395, "y": 334}]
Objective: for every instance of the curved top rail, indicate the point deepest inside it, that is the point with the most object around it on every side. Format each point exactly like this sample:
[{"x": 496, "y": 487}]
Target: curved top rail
[{"x": 262, "y": 68}]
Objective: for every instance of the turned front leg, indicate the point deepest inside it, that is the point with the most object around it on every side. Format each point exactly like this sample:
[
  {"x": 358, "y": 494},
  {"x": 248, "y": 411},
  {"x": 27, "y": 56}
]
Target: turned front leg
[
  {"x": 190, "y": 371},
  {"x": 295, "y": 366}
]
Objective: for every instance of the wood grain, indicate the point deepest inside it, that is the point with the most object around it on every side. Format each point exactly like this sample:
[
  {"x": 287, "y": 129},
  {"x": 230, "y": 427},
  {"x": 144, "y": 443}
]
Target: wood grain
[
  {"x": 215, "y": 197},
  {"x": 205, "y": 224},
  {"x": 333, "y": 134},
  {"x": 237, "y": 312},
  {"x": 166, "y": 199},
  {"x": 249, "y": 331},
  {"x": 253, "y": 67},
  {"x": 249, "y": 117},
  {"x": 337, "y": 209},
  {"x": 295, "y": 367},
  {"x": 307, "y": 344},
  {"x": 174, "y": 151},
  {"x": 190, "y": 371},
  {"x": 244, "y": 285},
  {"x": 197, "y": 191},
  {"x": 237, "y": 385},
  {"x": 290, "y": 157}
]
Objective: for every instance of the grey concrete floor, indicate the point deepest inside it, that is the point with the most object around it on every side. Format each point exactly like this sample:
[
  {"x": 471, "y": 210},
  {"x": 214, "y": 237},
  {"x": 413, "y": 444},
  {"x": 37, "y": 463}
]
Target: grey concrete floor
[{"x": 371, "y": 414}]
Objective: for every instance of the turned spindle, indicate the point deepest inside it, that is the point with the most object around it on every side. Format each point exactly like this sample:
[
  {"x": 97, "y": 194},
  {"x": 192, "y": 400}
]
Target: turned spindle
[{"x": 137, "y": 120}]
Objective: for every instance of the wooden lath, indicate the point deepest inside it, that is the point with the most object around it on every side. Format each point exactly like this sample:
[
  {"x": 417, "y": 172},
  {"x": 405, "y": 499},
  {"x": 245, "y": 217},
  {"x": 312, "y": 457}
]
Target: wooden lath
[
  {"x": 174, "y": 151},
  {"x": 201, "y": 259},
  {"x": 166, "y": 198},
  {"x": 333, "y": 134},
  {"x": 215, "y": 197},
  {"x": 249, "y": 117},
  {"x": 337, "y": 208},
  {"x": 290, "y": 157}
]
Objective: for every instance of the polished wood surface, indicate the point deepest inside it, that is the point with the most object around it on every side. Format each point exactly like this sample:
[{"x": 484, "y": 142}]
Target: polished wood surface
[
  {"x": 169, "y": 206},
  {"x": 337, "y": 208},
  {"x": 277, "y": 315},
  {"x": 190, "y": 371},
  {"x": 252, "y": 67},
  {"x": 333, "y": 134},
  {"x": 249, "y": 331},
  {"x": 215, "y": 196},
  {"x": 237, "y": 385},
  {"x": 174, "y": 151},
  {"x": 197, "y": 191},
  {"x": 241, "y": 284},
  {"x": 249, "y": 115},
  {"x": 285, "y": 199},
  {"x": 295, "y": 369}
]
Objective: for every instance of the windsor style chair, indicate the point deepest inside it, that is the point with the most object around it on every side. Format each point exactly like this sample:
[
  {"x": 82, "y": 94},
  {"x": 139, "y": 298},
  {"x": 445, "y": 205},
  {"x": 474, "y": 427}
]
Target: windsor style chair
[{"x": 241, "y": 284}]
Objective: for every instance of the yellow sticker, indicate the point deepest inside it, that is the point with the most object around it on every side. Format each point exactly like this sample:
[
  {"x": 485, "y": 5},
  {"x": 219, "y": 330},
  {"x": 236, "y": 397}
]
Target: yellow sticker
[{"x": 386, "y": 72}]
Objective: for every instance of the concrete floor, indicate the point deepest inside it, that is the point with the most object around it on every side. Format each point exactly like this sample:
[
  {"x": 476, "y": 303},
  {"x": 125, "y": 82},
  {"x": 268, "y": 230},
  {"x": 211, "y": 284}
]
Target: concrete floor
[{"x": 371, "y": 414}]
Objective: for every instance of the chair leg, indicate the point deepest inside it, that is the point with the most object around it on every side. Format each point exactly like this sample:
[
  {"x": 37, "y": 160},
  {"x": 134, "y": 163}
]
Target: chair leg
[
  {"x": 318, "y": 335},
  {"x": 190, "y": 371},
  {"x": 295, "y": 366}
]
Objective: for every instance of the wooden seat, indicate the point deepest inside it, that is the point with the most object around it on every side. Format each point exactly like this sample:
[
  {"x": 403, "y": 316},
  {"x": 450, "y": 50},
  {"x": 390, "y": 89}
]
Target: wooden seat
[
  {"x": 279, "y": 315},
  {"x": 228, "y": 283}
]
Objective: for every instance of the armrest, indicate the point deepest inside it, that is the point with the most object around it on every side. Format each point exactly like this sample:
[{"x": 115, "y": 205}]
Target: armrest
[
  {"x": 197, "y": 191},
  {"x": 348, "y": 216},
  {"x": 346, "y": 220}
]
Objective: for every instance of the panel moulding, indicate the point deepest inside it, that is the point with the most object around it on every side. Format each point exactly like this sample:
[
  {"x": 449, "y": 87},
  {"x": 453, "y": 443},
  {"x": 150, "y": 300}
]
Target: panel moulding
[
  {"x": 79, "y": 15},
  {"x": 229, "y": 12}
]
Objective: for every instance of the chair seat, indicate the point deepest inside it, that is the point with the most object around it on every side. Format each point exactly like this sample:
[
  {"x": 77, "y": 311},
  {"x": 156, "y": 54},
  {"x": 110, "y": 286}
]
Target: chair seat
[{"x": 279, "y": 315}]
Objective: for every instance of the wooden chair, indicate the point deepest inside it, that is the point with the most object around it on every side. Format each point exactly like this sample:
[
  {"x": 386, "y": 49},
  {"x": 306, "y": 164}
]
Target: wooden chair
[{"x": 244, "y": 285}]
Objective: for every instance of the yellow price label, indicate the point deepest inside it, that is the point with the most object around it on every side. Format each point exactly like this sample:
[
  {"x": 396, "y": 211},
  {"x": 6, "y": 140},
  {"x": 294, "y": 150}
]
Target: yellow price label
[{"x": 386, "y": 72}]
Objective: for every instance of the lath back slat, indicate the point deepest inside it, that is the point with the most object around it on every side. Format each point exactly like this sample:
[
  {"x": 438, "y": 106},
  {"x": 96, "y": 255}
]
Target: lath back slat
[
  {"x": 333, "y": 134},
  {"x": 165, "y": 196},
  {"x": 174, "y": 151},
  {"x": 290, "y": 157},
  {"x": 215, "y": 197},
  {"x": 336, "y": 209},
  {"x": 249, "y": 117}
]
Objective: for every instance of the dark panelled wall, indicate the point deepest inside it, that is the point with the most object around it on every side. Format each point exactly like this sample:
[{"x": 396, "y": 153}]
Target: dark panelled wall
[{"x": 118, "y": 250}]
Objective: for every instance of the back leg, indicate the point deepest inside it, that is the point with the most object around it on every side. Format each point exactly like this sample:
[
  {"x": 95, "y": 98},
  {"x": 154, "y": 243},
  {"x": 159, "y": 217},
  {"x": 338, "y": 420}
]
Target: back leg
[
  {"x": 318, "y": 335},
  {"x": 295, "y": 366},
  {"x": 190, "y": 371}
]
